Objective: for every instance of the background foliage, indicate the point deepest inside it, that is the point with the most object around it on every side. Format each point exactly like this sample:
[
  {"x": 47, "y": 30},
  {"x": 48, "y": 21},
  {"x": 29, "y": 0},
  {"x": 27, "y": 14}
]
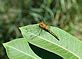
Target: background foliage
[{"x": 65, "y": 14}]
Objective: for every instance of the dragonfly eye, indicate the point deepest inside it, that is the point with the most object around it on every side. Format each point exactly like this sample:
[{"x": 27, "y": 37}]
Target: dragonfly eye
[{"x": 40, "y": 19}]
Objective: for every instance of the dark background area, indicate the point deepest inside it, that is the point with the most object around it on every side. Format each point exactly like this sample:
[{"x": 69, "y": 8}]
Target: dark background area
[{"x": 65, "y": 14}]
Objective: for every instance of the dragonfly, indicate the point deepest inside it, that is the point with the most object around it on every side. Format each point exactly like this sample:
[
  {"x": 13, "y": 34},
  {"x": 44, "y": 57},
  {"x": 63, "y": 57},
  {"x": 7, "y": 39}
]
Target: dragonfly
[{"x": 43, "y": 26}]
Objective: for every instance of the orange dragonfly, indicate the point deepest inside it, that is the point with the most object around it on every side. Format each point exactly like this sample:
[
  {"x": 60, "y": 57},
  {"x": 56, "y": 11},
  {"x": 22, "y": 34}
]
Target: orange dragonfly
[{"x": 45, "y": 27}]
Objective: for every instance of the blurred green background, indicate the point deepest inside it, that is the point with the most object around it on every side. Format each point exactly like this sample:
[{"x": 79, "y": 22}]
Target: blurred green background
[{"x": 65, "y": 14}]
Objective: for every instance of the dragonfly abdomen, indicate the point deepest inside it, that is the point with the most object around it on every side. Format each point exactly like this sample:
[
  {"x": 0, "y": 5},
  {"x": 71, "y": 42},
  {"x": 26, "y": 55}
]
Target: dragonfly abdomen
[{"x": 53, "y": 34}]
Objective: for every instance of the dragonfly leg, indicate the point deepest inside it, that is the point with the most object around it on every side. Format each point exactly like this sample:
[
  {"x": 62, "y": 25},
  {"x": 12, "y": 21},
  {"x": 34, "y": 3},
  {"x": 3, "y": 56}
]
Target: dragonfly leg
[{"x": 39, "y": 32}]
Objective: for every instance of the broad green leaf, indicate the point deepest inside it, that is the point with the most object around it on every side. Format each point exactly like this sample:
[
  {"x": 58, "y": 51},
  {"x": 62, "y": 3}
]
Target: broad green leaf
[
  {"x": 68, "y": 47},
  {"x": 19, "y": 49}
]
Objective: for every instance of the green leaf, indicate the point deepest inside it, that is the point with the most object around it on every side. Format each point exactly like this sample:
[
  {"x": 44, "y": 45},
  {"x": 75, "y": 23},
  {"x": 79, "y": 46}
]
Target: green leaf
[
  {"x": 63, "y": 5},
  {"x": 49, "y": 2},
  {"x": 68, "y": 47},
  {"x": 19, "y": 49}
]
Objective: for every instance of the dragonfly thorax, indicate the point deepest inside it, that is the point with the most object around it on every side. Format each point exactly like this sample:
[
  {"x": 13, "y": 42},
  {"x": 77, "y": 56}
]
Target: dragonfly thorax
[{"x": 42, "y": 25}]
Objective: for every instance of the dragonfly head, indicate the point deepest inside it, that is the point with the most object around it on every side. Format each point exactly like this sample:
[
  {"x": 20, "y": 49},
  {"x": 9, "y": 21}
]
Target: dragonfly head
[{"x": 40, "y": 19}]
